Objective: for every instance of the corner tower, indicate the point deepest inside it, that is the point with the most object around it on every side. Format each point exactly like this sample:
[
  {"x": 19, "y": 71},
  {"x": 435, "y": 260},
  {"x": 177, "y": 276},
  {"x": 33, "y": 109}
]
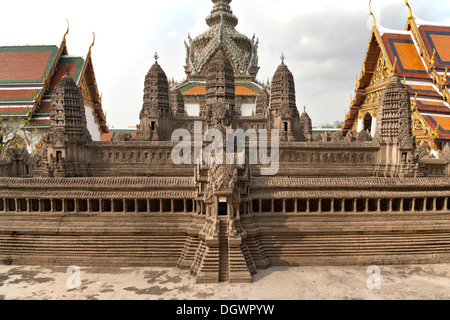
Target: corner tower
[
  {"x": 68, "y": 136},
  {"x": 394, "y": 132},
  {"x": 283, "y": 109},
  {"x": 155, "y": 116}
]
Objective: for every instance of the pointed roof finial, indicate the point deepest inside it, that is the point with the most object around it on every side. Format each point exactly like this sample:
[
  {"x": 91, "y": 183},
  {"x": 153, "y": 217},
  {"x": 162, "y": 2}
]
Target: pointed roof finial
[
  {"x": 282, "y": 58},
  {"x": 67, "y": 70},
  {"x": 409, "y": 8},
  {"x": 67, "y": 32},
  {"x": 374, "y": 23},
  {"x": 93, "y": 42},
  {"x": 156, "y": 57}
]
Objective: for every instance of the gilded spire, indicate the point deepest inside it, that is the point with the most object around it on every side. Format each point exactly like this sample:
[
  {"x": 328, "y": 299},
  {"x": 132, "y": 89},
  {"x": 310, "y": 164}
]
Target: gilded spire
[
  {"x": 409, "y": 8},
  {"x": 374, "y": 23},
  {"x": 93, "y": 42},
  {"x": 67, "y": 32}
]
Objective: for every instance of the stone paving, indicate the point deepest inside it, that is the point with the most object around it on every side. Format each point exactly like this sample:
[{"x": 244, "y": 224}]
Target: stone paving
[{"x": 278, "y": 283}]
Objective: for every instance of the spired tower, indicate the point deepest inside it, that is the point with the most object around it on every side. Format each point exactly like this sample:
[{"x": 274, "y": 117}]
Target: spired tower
[
  {"x": 262, "y": 103},
  {"x": 394, "y": 133},
  {"x": 283, "y": 110},
  {"x": 68, "y": 136},
  {"x": 177, "y": 102},
  {"x": 220, "y": 91},
  {"x": 156, "y": 115}
]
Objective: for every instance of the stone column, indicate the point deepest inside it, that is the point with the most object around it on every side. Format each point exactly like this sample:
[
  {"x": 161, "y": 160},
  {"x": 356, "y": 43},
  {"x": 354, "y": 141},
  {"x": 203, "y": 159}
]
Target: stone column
[
  {"x": 295, "y": 205},
  {"x": 319, "y": 206},
  {"x": 124, "y": 204},
  {"x": 445, "y": 203},
  {"x": 184, "y": 206},
  {"x": 76, "y": 205},
  {"x": 260, "y": 205},
  {"x": 413, "y": 204},
  {"x": 63, "y": 204},
  {"x": 307, "y": 206},
  {"x": 160, "y": 206},
  {"x": 390, "y": 205},
  {"x": 402, "y": 202},
  {"x": 272, "y": 205},
  {"x": 171, "y": 206},
  {"x": 284, "y": 206},
  {"x": 136, "y": 207},
  {"x": 355, "y": 205},
  {"x": 88, "y": 203},
  {"x": 148, "y": 206},
  {"x": 434, "y": 204},
  {"x": 17, "y": 207},
  {"x": 366, "y": 209},
  {"x": 4, "y": 204},
  {"x": 342, "y": 205}
]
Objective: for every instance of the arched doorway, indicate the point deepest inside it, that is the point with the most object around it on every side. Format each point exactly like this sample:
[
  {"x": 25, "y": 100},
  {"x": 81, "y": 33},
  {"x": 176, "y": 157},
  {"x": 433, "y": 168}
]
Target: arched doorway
[{"x": 368, "y": 122}]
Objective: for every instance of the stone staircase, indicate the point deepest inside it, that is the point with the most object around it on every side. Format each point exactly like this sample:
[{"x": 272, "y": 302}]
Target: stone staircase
[{"x": 224, "y": 266}]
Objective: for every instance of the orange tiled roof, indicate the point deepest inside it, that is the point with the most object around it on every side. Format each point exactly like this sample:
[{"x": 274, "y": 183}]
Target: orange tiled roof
[
  {"x": 198, "y": 90},
  {"x": 16, "y": 94},
  {"x": 409, "y": 62},
  {"x": 24, "y": 63},
  {"x": 60, "y": 72},
  {"x": 201, "y": 90},
  {"x": 444, "y": 125},
  {"x": 437, "y": 38}
]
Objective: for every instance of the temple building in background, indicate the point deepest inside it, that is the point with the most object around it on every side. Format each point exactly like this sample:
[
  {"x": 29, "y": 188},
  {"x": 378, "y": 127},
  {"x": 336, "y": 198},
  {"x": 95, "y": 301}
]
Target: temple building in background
[
  {"x": 241, "y": 50},
  {"x": 28, "y": 76},
  {"x": 420, "y": 56}
]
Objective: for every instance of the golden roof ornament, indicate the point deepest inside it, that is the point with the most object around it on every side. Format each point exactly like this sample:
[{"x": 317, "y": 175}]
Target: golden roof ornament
[
  {"x": 409, "y": 8},
  {"x": 93, "y": 42},
  {"x": 393, "y": 69},
  {"x": 374, "y": 23},
  {"x": 67, "y": 32}
]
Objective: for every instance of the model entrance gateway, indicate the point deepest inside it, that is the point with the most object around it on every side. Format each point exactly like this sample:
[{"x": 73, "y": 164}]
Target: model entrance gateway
[{"x": 336, "y": 200}]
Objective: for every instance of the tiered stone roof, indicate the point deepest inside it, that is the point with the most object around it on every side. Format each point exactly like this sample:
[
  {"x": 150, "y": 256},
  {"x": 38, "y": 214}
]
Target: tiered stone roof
[
  {"x": 177, "y": 102},
  {"x": 222, "y": 34},
  {"x": 282, "y": 93},
  {"x": 156, "y": 92}
]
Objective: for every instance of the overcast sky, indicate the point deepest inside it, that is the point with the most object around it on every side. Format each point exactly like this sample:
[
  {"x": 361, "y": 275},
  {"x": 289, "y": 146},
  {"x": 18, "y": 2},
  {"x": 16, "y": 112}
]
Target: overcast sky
[{"x": 324, "y": 41}]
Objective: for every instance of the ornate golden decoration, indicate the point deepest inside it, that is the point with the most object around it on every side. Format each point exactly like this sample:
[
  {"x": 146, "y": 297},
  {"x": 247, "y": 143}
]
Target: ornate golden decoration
[
  {"x": 392, "y": 69},
  {"x": 381, "y": 74},
  {"x": 373, "y": 97},
  {"x": 430, "y": 61},
  {"x": 374, "y": 23},
  {"x": 409, "y": 8}
]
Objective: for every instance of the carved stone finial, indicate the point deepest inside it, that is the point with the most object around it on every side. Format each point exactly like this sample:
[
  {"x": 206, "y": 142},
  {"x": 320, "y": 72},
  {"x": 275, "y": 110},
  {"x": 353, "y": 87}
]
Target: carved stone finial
[
  {"x": 67, "y": 69},
  {"x": 282, "y": 58},
  {"x": 156, "y": 57}
]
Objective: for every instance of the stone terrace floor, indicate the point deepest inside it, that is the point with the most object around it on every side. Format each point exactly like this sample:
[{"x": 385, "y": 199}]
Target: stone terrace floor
[{"x": 278, "y": 283}]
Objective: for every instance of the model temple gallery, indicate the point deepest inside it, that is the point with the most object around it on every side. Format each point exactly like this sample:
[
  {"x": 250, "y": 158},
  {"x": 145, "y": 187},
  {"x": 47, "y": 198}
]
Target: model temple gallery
[{"x": 376, "y": 192}]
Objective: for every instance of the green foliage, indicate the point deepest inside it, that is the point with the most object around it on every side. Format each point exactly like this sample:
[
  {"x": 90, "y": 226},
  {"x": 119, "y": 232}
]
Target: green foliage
[{"x": 15, "y": 132}]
